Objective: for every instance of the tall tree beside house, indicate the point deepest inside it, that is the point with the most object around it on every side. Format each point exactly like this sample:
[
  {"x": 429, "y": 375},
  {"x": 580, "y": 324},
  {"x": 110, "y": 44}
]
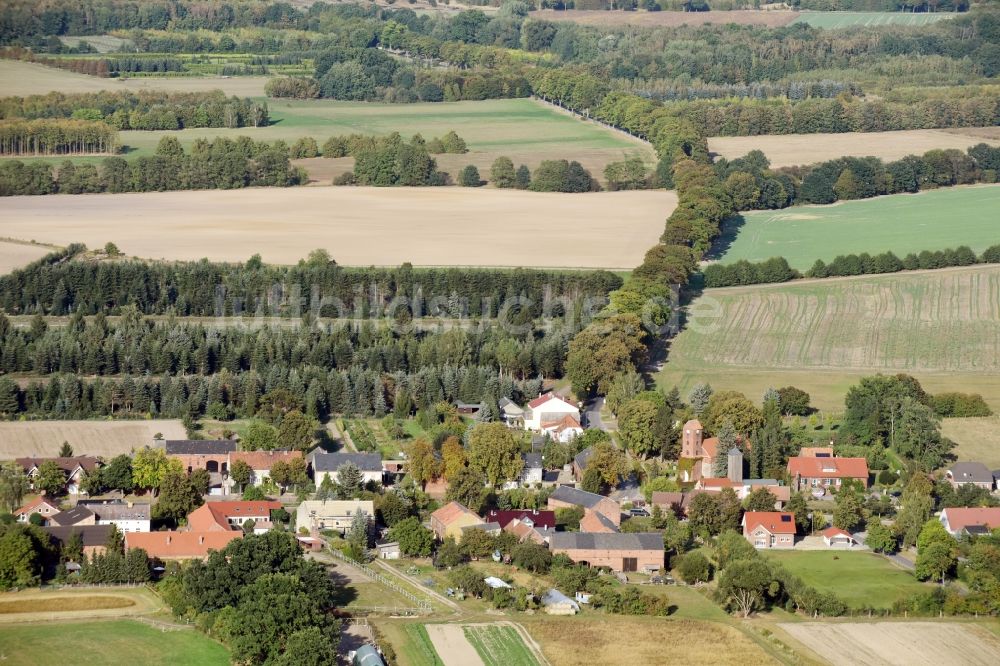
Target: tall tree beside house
[
  {"x": 24, "y": 549},
  {"x": 760, "y": 499},
  {"x": 915, "y": 508},
  {"x": 467, "y": 488},
  {"x": 65, "y": 451},
  {"x": 117, "y": 474},
  {"x": 296, "y": 431},
  {"x": 357, "y": 535},
  {"x": 327, "y": 489},
  {"x": 259, "y": 436},
  {"x": 453, "y": 458},
  {"x": 727, "y": 440},
  {"x": 349, "y": 481},
  {"x": 636, "y": 427},
  {"x": 699, "y": 396},
  {"x": 201, "y": 480},
  {"x": 240, "y": 472},
  {"x": 799, "y": 507},
  {"x": 608, "y": 462},
  {"x": 13, "y": 486},
  {"x": 936, "y": 552},
  {"x": 917, "y": 435},
  {"x": 848, "y": 513},
  {"x": 51, "y": 478},
  {"x": 9, "y": 401},
  {"x": 607, "y": 347},
  {"x": 178, "y": 497},
  {"x": 421, "y": 464},
  {"x": 72, "y": 548},
  {"x": 149, "y": 466},
  {"x": 495, "y": 453}
]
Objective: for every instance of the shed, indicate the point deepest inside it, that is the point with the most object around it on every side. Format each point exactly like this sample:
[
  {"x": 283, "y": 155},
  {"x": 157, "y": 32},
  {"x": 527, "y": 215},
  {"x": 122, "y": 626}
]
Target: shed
[
  {"x": 557, "y": 603},
  {"x": 834, "y": 537},
  {"x": 387, "y": 550}
]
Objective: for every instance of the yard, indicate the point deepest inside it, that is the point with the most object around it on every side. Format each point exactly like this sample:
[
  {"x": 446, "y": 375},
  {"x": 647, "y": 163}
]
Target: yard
[
  {"x": 823, "y": 335},
  {"x": 860, "y": 579},
  {"x": 902, "y": 223},
  {"x": 113, "y": 643}
]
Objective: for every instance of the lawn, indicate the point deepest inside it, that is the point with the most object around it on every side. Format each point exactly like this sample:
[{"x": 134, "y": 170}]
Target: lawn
[
  {"x": 869, "y": 19},
  {"x": 859, "y": 579},
  {"x": 902, "y": 223},
  {"x": 121, "y": 642},
  {"x": 977, "y": 438},
  {"x": 823, "y": 335},
  {"x": 417, "y": 650},
  {"x": 499, "y": 645}
]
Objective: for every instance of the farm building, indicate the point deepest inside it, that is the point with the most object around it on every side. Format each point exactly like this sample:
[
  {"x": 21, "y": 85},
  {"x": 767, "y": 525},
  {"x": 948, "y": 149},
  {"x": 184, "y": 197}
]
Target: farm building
[
  {"x": 510, "y": 413},
  {"x": 821, "y": 473},
  {"x": 769, "y": 529},
  {"x": 226, "y": 516},
  {"x": 451, "y": 519},
  {"x": 388, "y": 550},
  {"x": 557, "y": 603},
  {"x": 566, "y": 497},
  {"x": 176, "y": 545},
  {"x": 619, "y": 552},
  {"x": 210, "y": 455},
  {"x": 95, "y": 537},
  {"x": 970, "y": 473},
  {"x": 75, "y": 468}
]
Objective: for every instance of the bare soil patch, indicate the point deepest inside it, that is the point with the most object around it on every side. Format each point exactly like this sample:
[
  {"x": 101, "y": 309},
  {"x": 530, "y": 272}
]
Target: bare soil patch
[
  {"x": 902, "y": 643},
  {"x": 432, "y": 226},
  {"x": 772, "y": 18},
  {"x": 93, "y": 438},
  {"x": 26, "y": 78},
  {"x": 16, "y": 255},
  {"x": 796, "y": 149},
  {"x": 452, "y": 646}
]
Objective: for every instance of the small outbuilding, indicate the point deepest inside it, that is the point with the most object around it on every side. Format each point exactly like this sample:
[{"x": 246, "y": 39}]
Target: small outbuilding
[
  {"x": 557, "y": 603},
  {"x": 835, "y": 537}
]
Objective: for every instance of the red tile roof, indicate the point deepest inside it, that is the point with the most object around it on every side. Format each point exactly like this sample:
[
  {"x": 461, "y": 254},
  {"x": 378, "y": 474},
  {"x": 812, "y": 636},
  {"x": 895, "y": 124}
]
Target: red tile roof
[
  {"x": 263, "y": 459},
  {"x": 693, "y": 424},
  {"x": 33, "y": 506},
  {"x": 538, "y": 518},
  {"x": 775, "y": 522},
  {"x": 720, "y": 483},
  {"x": 215, "y": 515},
  {"x": 960, "y": 518},
  {"x": 179, "y": 545},
  {"x": 710, "y": 447},
  {"x": 562, "y": 424},
  {"x": 835, "y": 531},
  {"x": 828, "y": 468},
  {"x": 542, "y": 399},
  {"x": 452, "y": 511}
]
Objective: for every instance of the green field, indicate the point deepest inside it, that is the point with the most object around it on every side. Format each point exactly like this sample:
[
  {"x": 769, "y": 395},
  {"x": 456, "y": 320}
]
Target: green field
[
  {"x": 119, "y": 642},
  {"x": 417, "y": 648},
  {"x": 499, "y": 646},
  {"x": 902, "y": 223},
  {"x": 859, "y": 579},
  {"x": 823, "y": 335},
  {"x": 865, "y": 19}
]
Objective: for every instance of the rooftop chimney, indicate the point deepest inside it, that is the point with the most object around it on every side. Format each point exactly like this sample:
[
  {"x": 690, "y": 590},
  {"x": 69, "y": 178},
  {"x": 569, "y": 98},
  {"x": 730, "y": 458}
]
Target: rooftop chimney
[
  {"x": 201, "y": 539},
  {"x": 169, "y": 538}
]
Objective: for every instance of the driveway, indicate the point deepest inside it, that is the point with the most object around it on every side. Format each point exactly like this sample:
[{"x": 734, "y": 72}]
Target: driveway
[{"x": 592, "y": 414}]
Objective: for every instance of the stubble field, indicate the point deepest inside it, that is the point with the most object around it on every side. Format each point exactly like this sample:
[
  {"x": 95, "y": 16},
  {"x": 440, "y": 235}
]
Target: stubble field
[
  {"x": 822, "y": 335},
  {"x": 799, "y": 149},
  {"x": 94, "y": 438},
  {"x": 902, "y": 223},
  {"x": 427, "y": 226},
  {"x": 898, "y": 643},
  {"x": 16, "y": 255}
]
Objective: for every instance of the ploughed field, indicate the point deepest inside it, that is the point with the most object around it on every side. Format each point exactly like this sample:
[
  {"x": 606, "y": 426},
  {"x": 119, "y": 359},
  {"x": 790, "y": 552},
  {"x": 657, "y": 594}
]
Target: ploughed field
[{"x": 427, "y": 226}]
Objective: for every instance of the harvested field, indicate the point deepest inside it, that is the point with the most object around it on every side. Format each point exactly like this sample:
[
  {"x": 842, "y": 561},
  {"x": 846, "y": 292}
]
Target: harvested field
[
  {"x": 16, "y": 255},
  {"x": 599, "y": 17},
  {"x": 902, "y": 643},
  {"x": 94, "y": 438},
  {"x": 452, "y": 645},
  {"x": 427, "y": 226},
  {"x": 902, "y": 223},
  {"x": 977, "y": 438},
  {"x": 25, "y": 78},
  {"x": 614, "y": 639},
  {"x": 39, "y": 605},
  {"x": 821, "y": 335},
  {"x": 797, "y": 149}
]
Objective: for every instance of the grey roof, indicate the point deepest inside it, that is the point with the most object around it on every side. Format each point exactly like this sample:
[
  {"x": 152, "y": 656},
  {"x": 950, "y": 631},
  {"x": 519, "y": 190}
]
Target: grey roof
[
  {"x": 72, "y": 516},
  {"x": 331, "y": 462},
  {"x": 532, "y": 460},
  {"x": 486, "y": 527},
  {"x": 92, "y": 535},
  {"x": 604, "y": 520},
  {"x": 761, "y": 482},
  {"x": 554, "y": 596},
  {"x": 118, "y": 510},
  {"x": 583, "y": 457},
  {"x": 508, "y": 406},
  {"x": 366, "y": 655},
  {"x": 199, "y": 446},
  {"x": 971, "y": 472},
  {"x": 577, "y": 496},
  {"x": 612, "y": 541}
]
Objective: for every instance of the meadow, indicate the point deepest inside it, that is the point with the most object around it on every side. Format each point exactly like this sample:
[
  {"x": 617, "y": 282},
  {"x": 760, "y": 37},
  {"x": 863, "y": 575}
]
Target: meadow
[
  {"x": 797, "y": 149},
  {"x": 977, "y": 438},
  {"x": 823, "y": 335},
  {"x": 902, "y": 223},
  {"x": 870, "y": 19},
  {"x": 427, "y": 226},
  {"x": 859, "y": 579},
  {"x": 113, "y": 643}
]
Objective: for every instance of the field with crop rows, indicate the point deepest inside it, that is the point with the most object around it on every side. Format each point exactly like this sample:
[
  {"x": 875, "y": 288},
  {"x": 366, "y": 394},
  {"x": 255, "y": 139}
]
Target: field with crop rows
[
  {"x": 821, "y": 335},
  {"x": 499, "y": 645},
  {"x": 869, "y": 19},
  {"x": 902, "y": 223}
]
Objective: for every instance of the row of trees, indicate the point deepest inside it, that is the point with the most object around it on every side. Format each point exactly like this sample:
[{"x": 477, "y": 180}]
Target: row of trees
[
  {"x": 56, "y": 137},
  {"x": 144, "y": 109}
]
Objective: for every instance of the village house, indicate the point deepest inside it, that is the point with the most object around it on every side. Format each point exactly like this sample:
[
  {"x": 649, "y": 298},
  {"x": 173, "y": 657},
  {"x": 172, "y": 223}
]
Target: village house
[
  {"x": 769, "y": 529},
  {"x": 511, "y": 414},
  {"x": 553, "y": 415},
  {"x": 566, "y": 497},
  {"x": 39, "y": 505},
  {"x": 678, "y": 502},
  {"x": 959, "y": 520},
  {"x": 316, "y": 515},
  {"x": 75, "y": 468},
  {"x": 228, "y": 516},
  {"x": 94, "y": 537},
  {"x": 626, "y": 552},
  {"x": 327, "y": 464},
  {"x": 531, "y": 472},
  {"x": 580, "y": 462},
  {"x": 126, "y": 516},
  {"x": 260, "y": 462},
  {"x": 824, "y": 472},
  {"x": 449, "y": 521},
  {"x": 210, "y": 455},
  {"x": 970, "y": 473},
  {"x": 525, "y": 530},
  {"x": 532, "y": 517},
  {"x": 174, "y": 545}
]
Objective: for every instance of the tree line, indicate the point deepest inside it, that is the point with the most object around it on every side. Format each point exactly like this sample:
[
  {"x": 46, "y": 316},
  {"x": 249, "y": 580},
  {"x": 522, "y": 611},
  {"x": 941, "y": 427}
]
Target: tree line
[
  {"x": 218, "y": 164},
  {"x": 56, "y": 137},
  {"x": 144, "y": 109},
  {"x": 317, "y": 285},
  {"x": 102, "y": 66}
]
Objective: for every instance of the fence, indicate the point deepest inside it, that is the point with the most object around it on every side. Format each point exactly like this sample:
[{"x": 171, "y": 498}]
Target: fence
[{"x": 423, "y": 607}]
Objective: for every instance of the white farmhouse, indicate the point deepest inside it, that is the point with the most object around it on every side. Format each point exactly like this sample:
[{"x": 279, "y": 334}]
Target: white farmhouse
[{"x": 549, "y": 412}]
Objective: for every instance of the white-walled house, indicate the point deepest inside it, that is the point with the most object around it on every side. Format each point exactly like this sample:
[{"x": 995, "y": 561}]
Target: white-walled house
[
  {"x": 331, "y": 514},
  {"x": 326, "y": 464},
  {"x": 548, "y": 411},
  {"x": 531, "y": 473},
  {"x": 127, "y": 516}
]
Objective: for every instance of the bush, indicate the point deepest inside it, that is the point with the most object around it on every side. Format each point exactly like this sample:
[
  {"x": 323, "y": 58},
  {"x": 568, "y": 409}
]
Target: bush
[
  {"x": 694, "y": 568},
  {"x": 346, "y": 178},
  {"x": 469, "y": 177},
  {"x": 887, "y": 477},
  {"x": 502, "y": 173}
]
